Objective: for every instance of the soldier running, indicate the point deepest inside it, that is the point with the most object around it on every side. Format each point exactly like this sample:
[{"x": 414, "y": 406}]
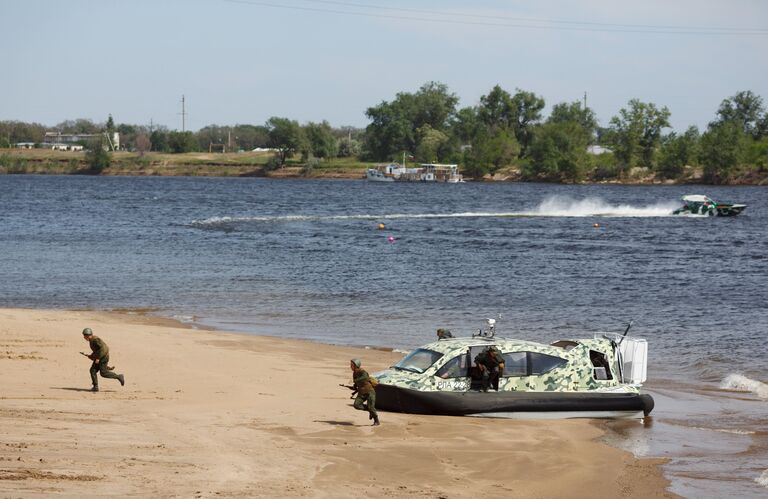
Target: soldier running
[
  {"x": 365, "y": 391},
  {"x": 100, "y": 358}
]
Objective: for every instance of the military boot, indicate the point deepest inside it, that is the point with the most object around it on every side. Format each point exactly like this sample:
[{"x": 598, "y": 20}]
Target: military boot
[
  {"x": 375, "y": 420},
  {"x": 95, "y": 388},
  {"x": 121, "y": 379}
]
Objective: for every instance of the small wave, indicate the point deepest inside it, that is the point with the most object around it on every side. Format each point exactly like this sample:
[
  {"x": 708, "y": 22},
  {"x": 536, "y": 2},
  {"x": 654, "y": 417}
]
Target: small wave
[
  {"x": 763, "y": 479},
  {"x": 724, "y": 430},
  {"x": 740, "y": 382}
]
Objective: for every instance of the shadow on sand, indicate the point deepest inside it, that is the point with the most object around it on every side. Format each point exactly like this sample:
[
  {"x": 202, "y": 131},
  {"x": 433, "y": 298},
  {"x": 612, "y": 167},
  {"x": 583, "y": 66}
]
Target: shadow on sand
[
  {"x": 336, "y": 423},
  {"x": 71, "y": 389}
]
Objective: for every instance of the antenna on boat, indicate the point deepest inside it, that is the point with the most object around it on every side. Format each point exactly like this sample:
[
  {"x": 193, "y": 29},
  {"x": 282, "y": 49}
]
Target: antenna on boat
[{"x": 629, "y": 325}]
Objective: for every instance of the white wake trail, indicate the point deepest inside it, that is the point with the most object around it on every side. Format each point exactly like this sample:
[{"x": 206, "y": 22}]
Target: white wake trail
[{"x": 555, "y": 206}]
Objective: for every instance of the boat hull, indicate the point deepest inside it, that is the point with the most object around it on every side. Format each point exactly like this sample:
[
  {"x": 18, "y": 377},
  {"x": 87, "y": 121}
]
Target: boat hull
[{"x": 398, "y": 399}]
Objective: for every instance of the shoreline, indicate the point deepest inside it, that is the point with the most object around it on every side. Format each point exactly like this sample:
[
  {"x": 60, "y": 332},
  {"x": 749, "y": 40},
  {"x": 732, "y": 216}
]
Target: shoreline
[
  {"x": 263, "y": 417},
  {"x": 253, "y": 164}
]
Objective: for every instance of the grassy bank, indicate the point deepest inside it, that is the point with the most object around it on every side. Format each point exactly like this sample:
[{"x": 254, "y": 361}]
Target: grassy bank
[
  {"x": 44, "y": 161},
  {"x": 254, "y": 164}
]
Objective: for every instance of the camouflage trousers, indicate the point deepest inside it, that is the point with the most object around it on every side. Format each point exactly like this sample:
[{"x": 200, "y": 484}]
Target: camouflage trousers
[
  {"x": 100, "y": 367},
  {"x": 370, "y": 406}
]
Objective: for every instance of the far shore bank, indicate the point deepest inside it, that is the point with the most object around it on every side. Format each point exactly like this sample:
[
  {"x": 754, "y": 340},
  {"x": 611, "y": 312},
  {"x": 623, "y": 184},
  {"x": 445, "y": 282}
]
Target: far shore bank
[
  {"x": 208, "y": 414},
  {"x": 254, "y": 164}
]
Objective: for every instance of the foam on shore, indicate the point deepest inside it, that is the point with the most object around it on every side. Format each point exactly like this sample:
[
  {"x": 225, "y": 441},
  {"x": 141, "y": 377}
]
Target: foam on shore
[
  {"x": 763, "y": 479},
  {"x": 741, "y": 383}
]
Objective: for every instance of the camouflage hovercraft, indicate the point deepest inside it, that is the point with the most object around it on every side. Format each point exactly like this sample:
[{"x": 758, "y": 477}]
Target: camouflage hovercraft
[
  {"x": 598, "y": 377},
  {"x": 698, "y": 204}
]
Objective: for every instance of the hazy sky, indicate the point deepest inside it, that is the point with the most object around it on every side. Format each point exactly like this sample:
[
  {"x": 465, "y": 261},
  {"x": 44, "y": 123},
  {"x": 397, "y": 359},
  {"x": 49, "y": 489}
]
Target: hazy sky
[{"x": 312, "y": 60}]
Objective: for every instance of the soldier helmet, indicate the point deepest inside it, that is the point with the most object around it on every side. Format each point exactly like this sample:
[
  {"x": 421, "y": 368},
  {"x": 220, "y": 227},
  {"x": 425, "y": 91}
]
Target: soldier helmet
[
  {"x": 87, "y": 332},
  {"x": 356, "y": 362}
]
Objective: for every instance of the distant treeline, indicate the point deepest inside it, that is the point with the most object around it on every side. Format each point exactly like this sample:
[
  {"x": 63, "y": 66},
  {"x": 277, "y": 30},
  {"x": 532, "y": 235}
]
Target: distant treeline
[{"x": 505, "y": 132}]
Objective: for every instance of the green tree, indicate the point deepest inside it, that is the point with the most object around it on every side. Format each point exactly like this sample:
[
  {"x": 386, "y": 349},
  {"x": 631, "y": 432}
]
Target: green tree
[
  {"x": 249, "y": 137},
  {"x": 679, "y": 151},
  {"x": 496, "y": 109},
  {"x": 431, "y": 142},
  {"x": 758, "y": 154},
  {"x": 746, "y": 110},
  {"x": 518, "y": 113},
  {"x": 12, "y": 132},
  {"x": 110, "y": 126},
  {"x": 321, "y": 142},
  {"x": 394, "y": 125},
  {"x": 181, "y": 142},
  {"x": 212, "y": 134},
  {"x": 159, "y": 140},
  {"x": 636, "y": 133},
  {"x": 491, "y": 150},
  {"x": 527, "y": 108},
  {"x": 79, "y": 126},
  {"x": 286, "y": 136},
  {"x": 558, "y": 152},
  {"x": 575, "y": 112},
  {"x": 97, "y": 157},
  {"x": 349, "y": 147},
  {"x": 723, "y": 148}
]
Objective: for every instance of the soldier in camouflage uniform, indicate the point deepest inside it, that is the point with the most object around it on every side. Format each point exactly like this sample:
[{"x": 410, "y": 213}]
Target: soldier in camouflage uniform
[
  {"x": 100, "y": 357},
  {"x": 365, "y": 391},
  {"x": 491, "y": 365}
]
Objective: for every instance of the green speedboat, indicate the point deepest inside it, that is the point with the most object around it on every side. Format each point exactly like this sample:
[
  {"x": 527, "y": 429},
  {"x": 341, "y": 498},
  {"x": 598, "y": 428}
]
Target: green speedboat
[{"x": 698, "y": 204}]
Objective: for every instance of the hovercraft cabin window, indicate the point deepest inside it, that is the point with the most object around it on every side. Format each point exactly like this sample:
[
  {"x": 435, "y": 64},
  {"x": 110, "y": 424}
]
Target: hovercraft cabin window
[
  {"x": 601, "y": 369},
  {"x": 418, "y": 361},
  {"x": 530, "y": 363},
  {"x": 457, "y": 367}
]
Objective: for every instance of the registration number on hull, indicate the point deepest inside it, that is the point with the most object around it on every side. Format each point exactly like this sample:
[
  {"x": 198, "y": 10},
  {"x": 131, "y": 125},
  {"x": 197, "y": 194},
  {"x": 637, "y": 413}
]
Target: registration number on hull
[{"x": 452, "y": 385}]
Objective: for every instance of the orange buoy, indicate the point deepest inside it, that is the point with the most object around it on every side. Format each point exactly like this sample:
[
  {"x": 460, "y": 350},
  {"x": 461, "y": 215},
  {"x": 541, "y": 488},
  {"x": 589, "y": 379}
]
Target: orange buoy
[
  {"x": 596, "y": 226},
  {"x": 381, "y": 226}
]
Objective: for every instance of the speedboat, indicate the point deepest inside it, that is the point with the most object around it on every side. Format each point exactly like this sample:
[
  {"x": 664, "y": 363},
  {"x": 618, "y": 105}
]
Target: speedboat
[
  {"x": 698, "y": 204},
  {"x": 595, "y": 377}
]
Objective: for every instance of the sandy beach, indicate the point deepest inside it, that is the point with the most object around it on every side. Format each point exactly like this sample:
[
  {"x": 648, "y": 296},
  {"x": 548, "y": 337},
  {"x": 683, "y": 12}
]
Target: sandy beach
[{"x": 216, "y": 414}]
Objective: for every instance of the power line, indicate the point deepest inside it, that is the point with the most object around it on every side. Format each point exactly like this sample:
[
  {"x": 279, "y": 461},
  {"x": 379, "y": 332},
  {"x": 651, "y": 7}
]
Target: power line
[
  {"x": 647, "y": 29},
  {"x": 541, "y": 20}
]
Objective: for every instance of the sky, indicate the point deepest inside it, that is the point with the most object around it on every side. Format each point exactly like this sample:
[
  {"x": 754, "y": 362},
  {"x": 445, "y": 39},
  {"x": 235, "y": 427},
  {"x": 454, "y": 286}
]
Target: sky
[{"x": 244, "y": 61}]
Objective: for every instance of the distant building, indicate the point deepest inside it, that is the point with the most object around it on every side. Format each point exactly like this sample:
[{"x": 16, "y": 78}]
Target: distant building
[
  {"x": 24, "y": 145},
  {"x": 74, "y": 141},
  {"x": 597, "y": 150}
]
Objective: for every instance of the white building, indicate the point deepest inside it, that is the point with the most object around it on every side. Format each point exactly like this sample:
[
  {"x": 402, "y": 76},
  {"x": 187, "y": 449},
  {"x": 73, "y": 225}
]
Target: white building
[{"x": 73, "y": 141}]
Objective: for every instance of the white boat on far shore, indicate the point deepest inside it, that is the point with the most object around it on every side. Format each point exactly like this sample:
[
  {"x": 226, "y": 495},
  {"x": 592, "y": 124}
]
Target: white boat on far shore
[{"x": 425, "y": 172}]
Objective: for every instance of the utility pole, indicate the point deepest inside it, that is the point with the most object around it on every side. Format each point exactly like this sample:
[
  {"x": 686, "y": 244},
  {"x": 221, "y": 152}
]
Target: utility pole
[
  {"x": 585, "y": 101},
  {"x": 183, "y": 115}
]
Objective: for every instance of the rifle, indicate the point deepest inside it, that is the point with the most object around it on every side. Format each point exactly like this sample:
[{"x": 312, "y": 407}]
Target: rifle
[
  {"x": 83, "y": 353},
  {"x": 354, "y": 390}
]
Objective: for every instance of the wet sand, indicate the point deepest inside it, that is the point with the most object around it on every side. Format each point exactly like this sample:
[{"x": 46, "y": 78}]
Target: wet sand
[{"x": 207, "y": 414}]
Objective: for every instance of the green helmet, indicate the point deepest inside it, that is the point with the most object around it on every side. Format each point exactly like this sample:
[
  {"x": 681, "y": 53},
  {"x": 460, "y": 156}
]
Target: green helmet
[
  {"x": 356, "y": 362},
  {"x": 87, "y": 332}
]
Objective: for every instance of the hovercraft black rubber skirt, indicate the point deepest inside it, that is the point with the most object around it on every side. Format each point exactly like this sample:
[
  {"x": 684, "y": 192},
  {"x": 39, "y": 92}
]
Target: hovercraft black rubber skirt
[{"x": 396, "y": 399}]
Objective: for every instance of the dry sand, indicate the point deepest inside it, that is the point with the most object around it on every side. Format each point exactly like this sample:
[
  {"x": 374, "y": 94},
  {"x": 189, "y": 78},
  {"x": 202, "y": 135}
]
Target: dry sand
[{"x": 213, "y": 414}]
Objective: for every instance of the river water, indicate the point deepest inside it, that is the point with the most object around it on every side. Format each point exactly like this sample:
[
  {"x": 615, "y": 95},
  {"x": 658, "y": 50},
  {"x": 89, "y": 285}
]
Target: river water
[{"x": 307, "y": 259}]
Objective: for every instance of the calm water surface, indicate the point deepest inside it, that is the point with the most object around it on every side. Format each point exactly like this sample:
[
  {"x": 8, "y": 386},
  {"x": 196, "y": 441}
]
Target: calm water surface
[{"x": 306, "y": 259}]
